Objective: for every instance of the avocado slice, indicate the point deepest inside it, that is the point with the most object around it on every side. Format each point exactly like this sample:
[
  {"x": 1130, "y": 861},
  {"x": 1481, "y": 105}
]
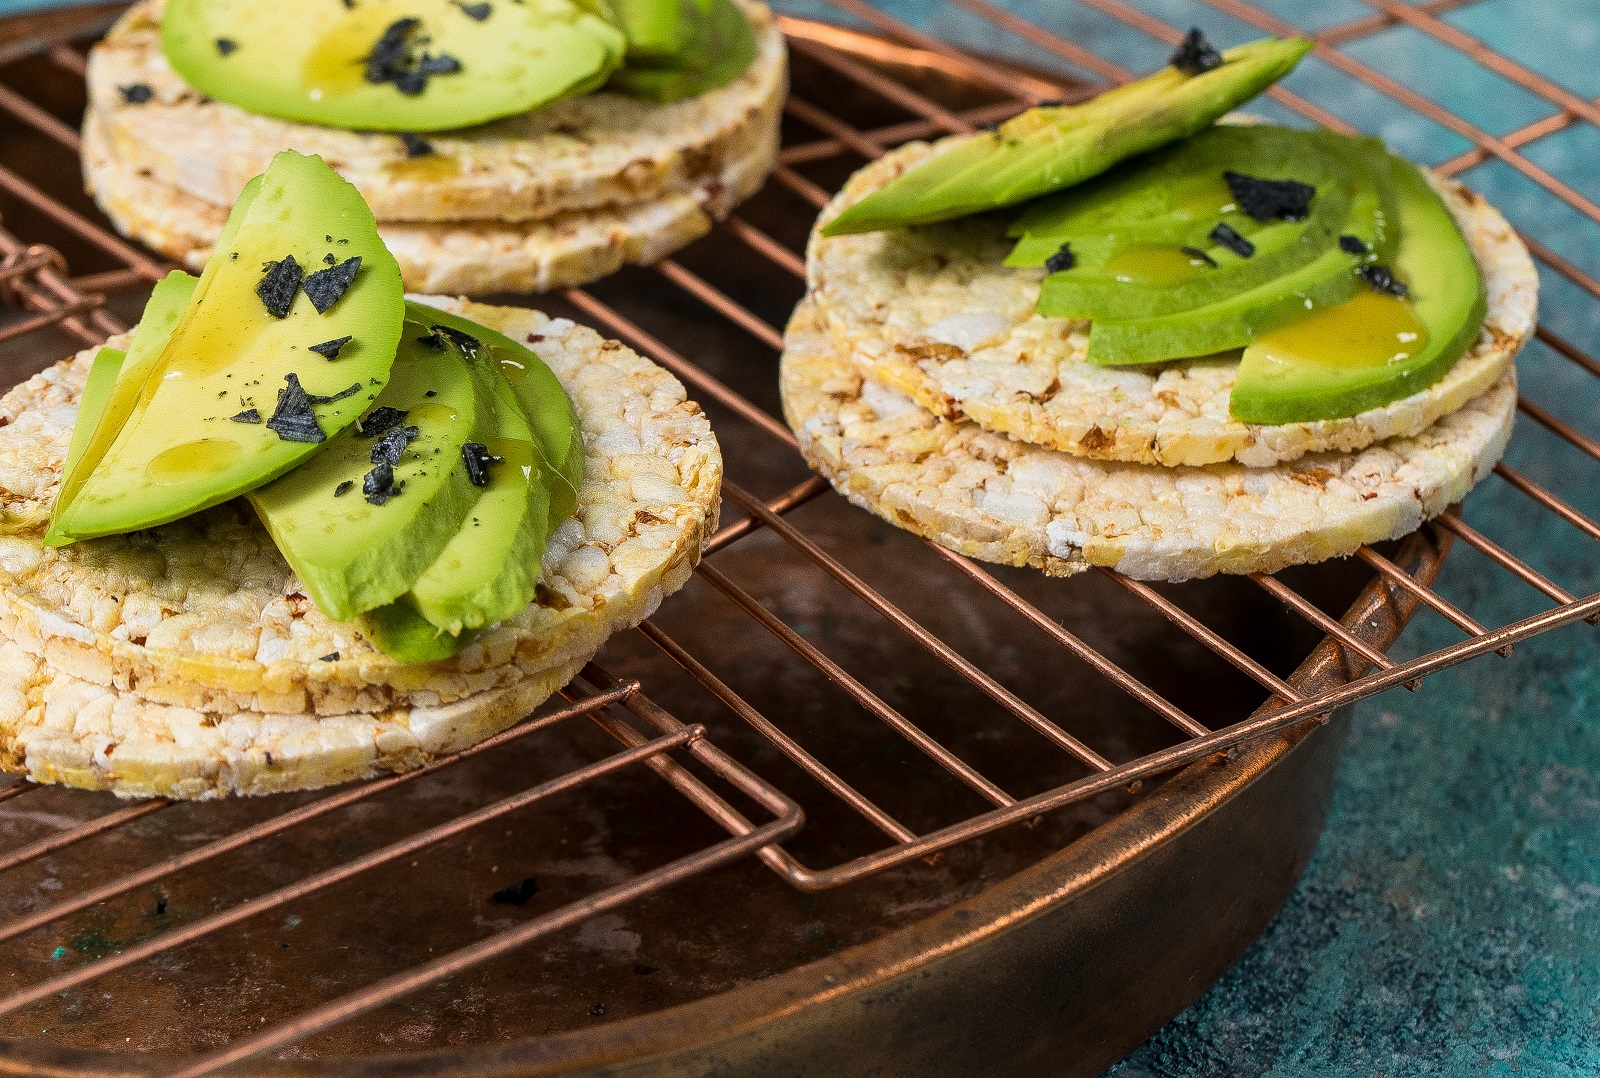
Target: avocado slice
[
  {"x": 557, "y": 435},
  {"x": 391, "y": 65},
  {"x": 93, "y": 432},
  {"x": 429, "y": 623},
  {"x": 716, "y": 44},
  {"x": 488, "y": 571},
  {"x": 1375, "y": 347},
  {"x": 1235, "y": 321},
  {"x": 176, "y": 436},
  {"x": 657, "y": 29},
  {"x": 1127, "y": 267},
  {"x": 363, "y": 519},
  {"x": 1051, "y": 147}
]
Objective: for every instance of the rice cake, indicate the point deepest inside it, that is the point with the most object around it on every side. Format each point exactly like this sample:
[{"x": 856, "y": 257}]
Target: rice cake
[
  {"x": 991, "y": 497},
  {"x": 204, "y": 616},
  {"x": 587, "y": 152},
  {"x": 934, "y": 313},
  {"x": 571, "y": 248}
]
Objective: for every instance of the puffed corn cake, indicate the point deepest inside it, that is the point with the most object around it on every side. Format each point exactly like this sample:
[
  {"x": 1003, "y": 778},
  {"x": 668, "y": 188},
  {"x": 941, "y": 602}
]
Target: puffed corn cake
[
  {"x": 558, "y": 196},
  {"x": 186, "y": 661},
  {"x": 934, "y": 313},
  {"x": 991, "y": 497}
]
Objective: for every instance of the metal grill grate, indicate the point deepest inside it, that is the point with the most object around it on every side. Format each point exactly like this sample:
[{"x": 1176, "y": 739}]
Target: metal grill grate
[{"x": 863, "y": 105}]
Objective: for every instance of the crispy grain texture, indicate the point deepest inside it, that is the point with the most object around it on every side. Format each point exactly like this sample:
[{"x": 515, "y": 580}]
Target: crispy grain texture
[
  {"x": 571, "y": 248},
  {"x": 934, "y": 313},
  {"x": 991, "y": 497},
  {"x": 598, "y": 150},
  {"x": 202, "y": 657}
]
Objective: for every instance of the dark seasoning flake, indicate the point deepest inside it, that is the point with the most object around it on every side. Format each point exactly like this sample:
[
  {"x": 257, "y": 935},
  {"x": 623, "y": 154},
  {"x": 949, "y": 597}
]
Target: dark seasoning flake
[
  {"x": 278, "y": 285},
  {"x": 343, "y": 488},
  {"x": 1353, "y": 245},
  {"x": 326, "y": 287},
  {"x": 379, "y": 486},
  {"x": 1200, "y": 256},
  {"x": 137, "y": 94},
  {"x": 475, "y": 12},
  {"x": 1263, "y": 200},
  {"x": 226, "y": 46},
  {"x": 392, "y": 446},
  {"x": 1062, "y": 260},
  {"x": 378, "y": 421},
  {"x": 293, "y": 420},
  {"x": 1382, "y": 279},
  {"x": 1195, "y": 55},
  {"x": 329, "y": 349},
  {"x": 400, "y": 57},
  {"x": 1225, "y": 235},
  {"x": 415, "y": 145},
  {"x": 478, "y": 460}
]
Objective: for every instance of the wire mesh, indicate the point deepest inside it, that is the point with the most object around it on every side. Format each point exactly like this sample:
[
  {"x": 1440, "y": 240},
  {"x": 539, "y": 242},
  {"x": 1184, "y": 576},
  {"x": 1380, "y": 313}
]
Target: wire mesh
[{"x": 865, "y": 106}]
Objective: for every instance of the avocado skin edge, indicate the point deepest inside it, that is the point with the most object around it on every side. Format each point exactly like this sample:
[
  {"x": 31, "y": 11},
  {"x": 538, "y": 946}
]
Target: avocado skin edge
[{"x": 1048, "y": 148}]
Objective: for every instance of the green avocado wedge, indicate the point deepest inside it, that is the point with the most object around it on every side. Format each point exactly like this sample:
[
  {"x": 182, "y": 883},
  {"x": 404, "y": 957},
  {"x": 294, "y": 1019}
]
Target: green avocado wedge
[
  {"x": 1052, "y": 147},
  {"x": 717, "y": 45},
  {"x": 1235, "y": 321},
  {"x": 399, "y": 630},
  {"x": 108, "y": 393},
  {"x": 359, "y": 537},
  {"x": 557, "y": 435},
  {"x": 1374, "y": 348},
  {"x": 237, "y": 396},
  {"x": 1170, "y": 264},
  {"x": 391, "y": 65},
  {"x": 488, "y": 571}
]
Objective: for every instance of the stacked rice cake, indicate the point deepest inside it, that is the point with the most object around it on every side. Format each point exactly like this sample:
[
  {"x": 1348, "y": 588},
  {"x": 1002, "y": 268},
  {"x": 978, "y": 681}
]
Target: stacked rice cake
[
  {"x": 186, "y": 661},
  {"x": 921, "y": 382},
  {"x": 556, "y": 197}
]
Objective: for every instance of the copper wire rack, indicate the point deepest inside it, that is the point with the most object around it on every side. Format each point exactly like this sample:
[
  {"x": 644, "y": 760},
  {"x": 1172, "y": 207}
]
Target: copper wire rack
[{"x": 853, "y": 99}]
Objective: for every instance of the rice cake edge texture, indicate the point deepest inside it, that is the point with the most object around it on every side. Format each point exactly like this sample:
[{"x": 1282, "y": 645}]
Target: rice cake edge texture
[
  {"x": 204, "y": 615},
  {"x": 990, "y": 497}
]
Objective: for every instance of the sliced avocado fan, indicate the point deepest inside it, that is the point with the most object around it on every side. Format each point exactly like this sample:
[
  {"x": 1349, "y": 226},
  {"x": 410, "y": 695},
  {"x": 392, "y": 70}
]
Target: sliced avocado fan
[
  {"x": 235, "y": 392},
  {"x": 490, "y": 569},
  {"x": 1052, "y": 147},
  {"x": 391, "y": 65},
  {"x": 1395, "y": 335},
  {"x": 364, "y": 518}
]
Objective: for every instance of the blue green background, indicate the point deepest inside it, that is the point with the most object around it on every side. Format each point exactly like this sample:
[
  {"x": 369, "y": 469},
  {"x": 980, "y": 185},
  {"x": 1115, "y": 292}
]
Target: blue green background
[{"x": 1449, "y": 923}]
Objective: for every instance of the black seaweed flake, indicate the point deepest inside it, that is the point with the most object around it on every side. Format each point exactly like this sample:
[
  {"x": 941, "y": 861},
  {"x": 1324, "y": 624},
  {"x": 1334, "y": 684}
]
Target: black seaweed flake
[
  {"x": 478, "y": 461},
  {"x": 1382, "y": 279},
  {"x": 434, "y": 340},
  {"x": 1266, "y": 199},
  {"x": 1195, "y": 252},
  {"x": 443, "y": 64},
  {"x": 249, "y": 415},
  {"x": 1196, "y": 56},
  {"x": 1353, "y": 245},
  {"x": 324, "y": 288},
  {"x": 379, "y": 420},
  {"x": 1225, "y": 235},
  {"x": 379, "y": 486},
  {"x": 394, "y": 59},
  {"x": 343, "y": 488},
  {"x": 339, "y": 396},
  {"x": 416, "y": 145},
  {"x": 329, "y": 349},
  {"x": 1063, "y": 259},
  {"x": 331, "y": 657},
  {"x": 137, "y": 94},
  {"x": 293, "y": 420},
  {"x": 517, "y": 894},
  {"x": 468, "y": 344},
  {"x": 391, "y": 55},
  {"x": 392, "y": 446},
  {"x": 475, "y": 12},
  {"x": 330, "y": 259},
  {"x": 279, "y": 284},
  {"x": 226, "y": 46}
]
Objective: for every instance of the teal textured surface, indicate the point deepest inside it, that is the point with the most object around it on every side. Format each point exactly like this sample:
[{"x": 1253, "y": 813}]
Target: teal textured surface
[{"x": 1449, "y": 923}]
